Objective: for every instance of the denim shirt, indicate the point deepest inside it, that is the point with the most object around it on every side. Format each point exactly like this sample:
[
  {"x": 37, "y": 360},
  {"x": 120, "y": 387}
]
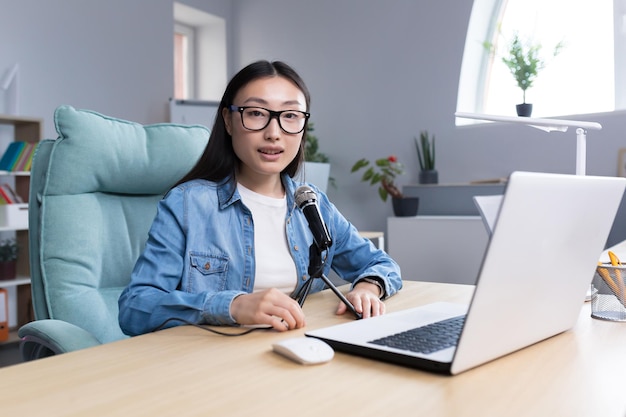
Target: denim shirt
[{"x": 200, "y": 255}]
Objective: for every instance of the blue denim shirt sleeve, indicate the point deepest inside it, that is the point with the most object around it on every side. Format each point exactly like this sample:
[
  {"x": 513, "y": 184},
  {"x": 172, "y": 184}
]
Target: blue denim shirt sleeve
[
  {"x": 176, "y": 277},
  {"x": 199, "y": 256},
  {"x": 354, "y": 257}
]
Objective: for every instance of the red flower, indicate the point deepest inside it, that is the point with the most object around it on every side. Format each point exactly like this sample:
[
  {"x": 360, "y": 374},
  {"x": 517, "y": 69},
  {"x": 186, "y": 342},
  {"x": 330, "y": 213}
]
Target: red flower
[{"x": 383, "y": 171}]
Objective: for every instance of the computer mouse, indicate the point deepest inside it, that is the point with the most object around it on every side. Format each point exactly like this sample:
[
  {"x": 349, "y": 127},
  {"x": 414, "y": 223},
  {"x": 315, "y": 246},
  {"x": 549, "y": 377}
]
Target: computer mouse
[{"x": 305, "y": 350}]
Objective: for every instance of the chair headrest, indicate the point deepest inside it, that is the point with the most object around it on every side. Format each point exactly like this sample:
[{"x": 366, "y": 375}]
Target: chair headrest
[{"x": 97, "y": 153}]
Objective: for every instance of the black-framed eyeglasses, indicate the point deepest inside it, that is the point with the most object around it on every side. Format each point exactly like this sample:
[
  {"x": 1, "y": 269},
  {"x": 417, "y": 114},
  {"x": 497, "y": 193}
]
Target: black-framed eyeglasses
[{"x": 258, "y": 118}]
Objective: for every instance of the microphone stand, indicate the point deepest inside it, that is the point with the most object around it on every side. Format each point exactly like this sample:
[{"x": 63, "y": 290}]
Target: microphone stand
[{"x": 316, "y": 270}]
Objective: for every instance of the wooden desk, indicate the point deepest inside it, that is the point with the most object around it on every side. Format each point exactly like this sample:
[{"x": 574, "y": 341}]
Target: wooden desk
[{"x": 186, "y": 371}]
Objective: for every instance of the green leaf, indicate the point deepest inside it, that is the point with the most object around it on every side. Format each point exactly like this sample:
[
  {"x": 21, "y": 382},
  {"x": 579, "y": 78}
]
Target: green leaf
[
  {"x": 383, "y": 162},
  {"x": 425, "y": 147},
  {"x": 376, "y": 177},
  {"x": 382, "y": 193},
  {"x": 420, "y": 159},
  {"x": 367, "y": 175},
  {"x": 360, "y": 164}
]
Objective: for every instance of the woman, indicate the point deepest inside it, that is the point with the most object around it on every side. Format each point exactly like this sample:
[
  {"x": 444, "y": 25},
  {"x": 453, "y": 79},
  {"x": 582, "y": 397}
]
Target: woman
[{"x": 228, "y": 245}]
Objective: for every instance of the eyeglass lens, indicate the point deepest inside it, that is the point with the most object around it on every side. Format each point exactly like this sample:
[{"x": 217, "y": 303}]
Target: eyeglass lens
[{"x": 257, "y": 118}]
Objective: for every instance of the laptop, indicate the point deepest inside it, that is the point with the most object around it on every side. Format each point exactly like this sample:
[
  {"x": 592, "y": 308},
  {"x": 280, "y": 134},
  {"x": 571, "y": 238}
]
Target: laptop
[{"x": 539, "y": 262}]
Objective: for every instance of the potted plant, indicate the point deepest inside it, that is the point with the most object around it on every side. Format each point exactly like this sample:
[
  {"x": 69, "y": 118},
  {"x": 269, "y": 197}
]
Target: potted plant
[
  {"x": 8, "y": 259},
  {"x": 426, "y": 157},
  {"x": 316, "y": 166},
  {"x": 523, "y": 59},
  {"x": 383, "y": 172}
]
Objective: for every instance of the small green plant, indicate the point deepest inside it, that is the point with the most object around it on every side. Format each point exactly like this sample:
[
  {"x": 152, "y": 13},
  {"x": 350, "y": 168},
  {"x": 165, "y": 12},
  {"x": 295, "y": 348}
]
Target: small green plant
[
  {"x": 312, "y": 152},
  {"x": 383, "y": 171},
  {"x": 8, "y": 250},
  {"x": 311, "y": 147},
  {"x": 523, "y": 59},
  {"x": 425, "y": 151}
]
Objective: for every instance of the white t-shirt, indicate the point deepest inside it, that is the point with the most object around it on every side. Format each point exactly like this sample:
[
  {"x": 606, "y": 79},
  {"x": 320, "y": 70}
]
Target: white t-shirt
[{"x": 275, "y": 267}]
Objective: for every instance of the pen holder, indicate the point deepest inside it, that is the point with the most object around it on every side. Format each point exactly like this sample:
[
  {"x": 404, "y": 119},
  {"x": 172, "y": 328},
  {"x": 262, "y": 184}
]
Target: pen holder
[{"x": 608, "y": 293}]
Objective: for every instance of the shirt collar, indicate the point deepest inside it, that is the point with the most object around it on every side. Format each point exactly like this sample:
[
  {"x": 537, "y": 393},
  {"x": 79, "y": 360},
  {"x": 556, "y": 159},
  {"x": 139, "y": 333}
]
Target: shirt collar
[{"x": 227, "y": 191}]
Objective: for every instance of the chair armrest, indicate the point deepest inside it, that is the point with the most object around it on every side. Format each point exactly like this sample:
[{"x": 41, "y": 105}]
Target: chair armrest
[{"x": 42, "y": 338}]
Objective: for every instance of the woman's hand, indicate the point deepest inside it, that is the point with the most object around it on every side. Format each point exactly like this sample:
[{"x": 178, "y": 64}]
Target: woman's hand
[
  {"x": 365, "y": 299},
  {"x": 271, "y": 307}
]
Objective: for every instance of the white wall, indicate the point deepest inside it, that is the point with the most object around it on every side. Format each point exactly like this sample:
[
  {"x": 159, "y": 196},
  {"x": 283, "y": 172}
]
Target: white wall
[{"x": 379, "y": 73}]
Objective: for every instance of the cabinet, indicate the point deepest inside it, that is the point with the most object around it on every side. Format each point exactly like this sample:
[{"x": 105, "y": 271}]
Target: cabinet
[{"x": 26, "y": 129}]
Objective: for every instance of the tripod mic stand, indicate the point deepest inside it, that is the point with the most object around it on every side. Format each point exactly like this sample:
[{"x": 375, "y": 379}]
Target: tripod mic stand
[{"x": 316, "y": 270}]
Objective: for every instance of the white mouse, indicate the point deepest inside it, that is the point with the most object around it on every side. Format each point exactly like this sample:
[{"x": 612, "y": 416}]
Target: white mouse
[{"x": 305, "y": 350}]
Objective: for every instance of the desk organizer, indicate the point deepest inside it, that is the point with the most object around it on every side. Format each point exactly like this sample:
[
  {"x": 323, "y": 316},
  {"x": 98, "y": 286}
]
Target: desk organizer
[
  {"x": 14, "y": 216},
  {"x": 608, "y": 293}
]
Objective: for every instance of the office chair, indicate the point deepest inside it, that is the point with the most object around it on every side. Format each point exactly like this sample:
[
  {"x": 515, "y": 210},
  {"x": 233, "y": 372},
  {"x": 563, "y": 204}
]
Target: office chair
[{"x": 93, "y": 195}]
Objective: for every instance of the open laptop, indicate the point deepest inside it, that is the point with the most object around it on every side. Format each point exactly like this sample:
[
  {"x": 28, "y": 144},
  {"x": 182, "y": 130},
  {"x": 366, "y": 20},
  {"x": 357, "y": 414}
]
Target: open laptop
[{"x": 540, "y": 260}]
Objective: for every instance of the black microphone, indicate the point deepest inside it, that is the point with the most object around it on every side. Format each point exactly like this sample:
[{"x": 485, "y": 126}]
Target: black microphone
[{"x": 306, "y": 199}]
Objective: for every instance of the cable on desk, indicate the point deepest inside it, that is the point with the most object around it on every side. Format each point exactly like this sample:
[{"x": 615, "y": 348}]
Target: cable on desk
[{"x": 209, "y": 329}]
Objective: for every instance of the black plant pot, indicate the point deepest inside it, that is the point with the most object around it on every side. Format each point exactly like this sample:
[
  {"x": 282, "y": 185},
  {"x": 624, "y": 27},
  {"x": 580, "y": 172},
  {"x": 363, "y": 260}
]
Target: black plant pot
[
  {"x": 524, "y": 109},
  {"x": 430, "y": 176},
  {"x": 405, "y": 206}
]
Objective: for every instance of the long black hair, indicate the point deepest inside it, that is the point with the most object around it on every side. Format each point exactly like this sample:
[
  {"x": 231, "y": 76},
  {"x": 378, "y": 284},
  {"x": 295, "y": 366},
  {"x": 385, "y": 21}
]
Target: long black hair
[{"x": 219, "y": 161}]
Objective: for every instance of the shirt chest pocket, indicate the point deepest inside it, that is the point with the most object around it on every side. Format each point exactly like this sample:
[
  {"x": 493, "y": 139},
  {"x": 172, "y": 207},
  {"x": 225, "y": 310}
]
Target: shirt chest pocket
[{"x": 207, "y": 272}]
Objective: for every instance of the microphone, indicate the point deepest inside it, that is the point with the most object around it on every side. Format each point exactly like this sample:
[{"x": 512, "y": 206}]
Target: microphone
[{"x": 306, "y": 199}]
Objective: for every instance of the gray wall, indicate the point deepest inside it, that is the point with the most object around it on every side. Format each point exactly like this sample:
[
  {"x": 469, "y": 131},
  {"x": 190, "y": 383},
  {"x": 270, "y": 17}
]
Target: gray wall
[
  {"x": 379, "y": 73},
  {"x": 114, "y": 56}
]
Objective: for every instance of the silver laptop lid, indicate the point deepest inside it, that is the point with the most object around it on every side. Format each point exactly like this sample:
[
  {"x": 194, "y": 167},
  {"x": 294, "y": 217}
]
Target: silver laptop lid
[{"x": 547, "y": 239}]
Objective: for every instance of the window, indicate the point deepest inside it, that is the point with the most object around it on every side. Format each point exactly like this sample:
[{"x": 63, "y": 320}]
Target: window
[
  {"x": 199, "y": 54},
  {"x": 580, "y": 79},
  {"x": 184, "y": 40}
]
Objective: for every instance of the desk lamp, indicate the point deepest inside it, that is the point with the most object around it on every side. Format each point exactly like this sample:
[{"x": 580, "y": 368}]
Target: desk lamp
[{"x": 548, "y": 125}]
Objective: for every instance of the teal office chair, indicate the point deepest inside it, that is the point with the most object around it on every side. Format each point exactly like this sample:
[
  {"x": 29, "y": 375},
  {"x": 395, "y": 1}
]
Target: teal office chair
[{"x": 93, "y": 196}]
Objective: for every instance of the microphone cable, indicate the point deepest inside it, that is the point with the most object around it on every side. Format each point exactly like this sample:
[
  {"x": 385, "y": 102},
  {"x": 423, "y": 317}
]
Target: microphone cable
[{"x": 209, "y": 329}]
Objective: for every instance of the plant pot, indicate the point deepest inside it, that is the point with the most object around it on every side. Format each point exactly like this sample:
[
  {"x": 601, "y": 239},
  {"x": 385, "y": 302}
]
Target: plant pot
[
  {"x": 8, "y": 270},
  {"x": 430, "y": 176},
  {"x": 524, "y": 109},
  {"x": 405, "y": 206}
]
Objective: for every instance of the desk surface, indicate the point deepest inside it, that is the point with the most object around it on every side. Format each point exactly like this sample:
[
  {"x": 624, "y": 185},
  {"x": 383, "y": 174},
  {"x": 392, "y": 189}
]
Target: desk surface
[{"x": 186, "y": 371}]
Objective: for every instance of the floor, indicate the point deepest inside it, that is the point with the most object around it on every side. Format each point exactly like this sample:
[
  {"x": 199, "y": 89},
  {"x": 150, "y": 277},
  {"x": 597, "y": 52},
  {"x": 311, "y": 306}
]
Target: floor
[{"x": 10, "y": 354}]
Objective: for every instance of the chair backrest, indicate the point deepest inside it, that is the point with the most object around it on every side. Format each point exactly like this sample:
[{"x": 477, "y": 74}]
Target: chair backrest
[{"x": 94, "y": 193}]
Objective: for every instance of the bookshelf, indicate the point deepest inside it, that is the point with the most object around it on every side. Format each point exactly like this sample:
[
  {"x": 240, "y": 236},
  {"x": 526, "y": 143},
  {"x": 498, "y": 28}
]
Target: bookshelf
[{"x": 30, "y": 130}]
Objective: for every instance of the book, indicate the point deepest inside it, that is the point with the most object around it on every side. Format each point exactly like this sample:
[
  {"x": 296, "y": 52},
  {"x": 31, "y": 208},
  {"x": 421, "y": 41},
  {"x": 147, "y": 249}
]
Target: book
[
  {"x": 4, "y": 197},
  {"x": 4, "y": 315},
  {"x": 29, "y": 162},
  {"x": 10, "y": 192},
  {"x": 10, "y": 155},
  {"x": 25, "y": 158},
  {"x": 18, "y": 156}
]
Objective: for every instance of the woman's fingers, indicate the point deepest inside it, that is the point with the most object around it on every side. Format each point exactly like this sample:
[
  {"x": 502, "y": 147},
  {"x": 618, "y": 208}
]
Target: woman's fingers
[{"x": 271, "y": 307}]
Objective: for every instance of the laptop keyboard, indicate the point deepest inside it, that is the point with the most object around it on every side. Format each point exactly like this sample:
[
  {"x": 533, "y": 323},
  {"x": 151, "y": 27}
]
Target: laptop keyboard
[{"x": 426, "y": 339}]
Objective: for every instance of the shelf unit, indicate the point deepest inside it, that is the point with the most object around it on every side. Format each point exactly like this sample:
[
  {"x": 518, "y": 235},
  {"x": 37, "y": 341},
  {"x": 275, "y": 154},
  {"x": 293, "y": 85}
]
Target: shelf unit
[{"x": 26, "y": 129}]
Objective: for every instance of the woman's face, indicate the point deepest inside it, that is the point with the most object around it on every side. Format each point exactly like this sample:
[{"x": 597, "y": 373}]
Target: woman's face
[{"x": 266, "y": 152}]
